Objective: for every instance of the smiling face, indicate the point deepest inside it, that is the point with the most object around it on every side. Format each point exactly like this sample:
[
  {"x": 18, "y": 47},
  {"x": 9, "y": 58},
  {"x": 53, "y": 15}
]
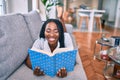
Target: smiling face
[{"x": 52, "y": 34}]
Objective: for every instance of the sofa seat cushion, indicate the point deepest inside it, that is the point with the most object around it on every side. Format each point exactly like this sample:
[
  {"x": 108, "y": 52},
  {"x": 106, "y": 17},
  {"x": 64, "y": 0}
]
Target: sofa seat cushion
[
  {"x": 24, "y": 73},
  {"x": 14, "y": 43}
]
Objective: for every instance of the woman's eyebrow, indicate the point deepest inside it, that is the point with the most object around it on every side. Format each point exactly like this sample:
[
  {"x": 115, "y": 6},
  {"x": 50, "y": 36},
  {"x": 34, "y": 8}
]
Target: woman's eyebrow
[
  {"x": 55, "y": 29},
  {"x": 48, "y": 29}
]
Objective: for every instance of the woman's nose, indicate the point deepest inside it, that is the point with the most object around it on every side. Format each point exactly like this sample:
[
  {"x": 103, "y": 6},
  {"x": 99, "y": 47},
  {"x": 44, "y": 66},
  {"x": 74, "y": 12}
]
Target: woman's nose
[{"x": 51, "y": 34}]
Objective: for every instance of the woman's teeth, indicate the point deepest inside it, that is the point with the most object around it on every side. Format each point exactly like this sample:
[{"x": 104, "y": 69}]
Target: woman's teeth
[{"x": 51, "y": 39}]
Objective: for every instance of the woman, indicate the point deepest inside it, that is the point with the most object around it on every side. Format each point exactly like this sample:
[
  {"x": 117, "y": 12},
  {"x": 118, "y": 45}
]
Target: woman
[{"x": 52, "y": 36}]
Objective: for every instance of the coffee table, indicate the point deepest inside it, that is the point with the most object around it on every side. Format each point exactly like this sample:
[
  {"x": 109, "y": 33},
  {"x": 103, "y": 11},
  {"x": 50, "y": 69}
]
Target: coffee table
[
  {"x": 102, "y": 43},
  {"x": 115, "y": 61}
]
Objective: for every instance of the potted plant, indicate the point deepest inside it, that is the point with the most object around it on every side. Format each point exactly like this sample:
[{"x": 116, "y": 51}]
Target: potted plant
[{"x": 49, "y": 4}]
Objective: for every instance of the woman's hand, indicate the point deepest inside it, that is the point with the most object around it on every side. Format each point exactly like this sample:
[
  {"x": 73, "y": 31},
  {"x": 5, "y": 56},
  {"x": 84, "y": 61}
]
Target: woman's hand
[
  {"x": 62, "y": 73},
  {"x": 38, "y": 72}
]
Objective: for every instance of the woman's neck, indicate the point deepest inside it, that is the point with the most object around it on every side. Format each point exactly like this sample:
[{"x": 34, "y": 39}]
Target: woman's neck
[{"x": 52, "y": 47}]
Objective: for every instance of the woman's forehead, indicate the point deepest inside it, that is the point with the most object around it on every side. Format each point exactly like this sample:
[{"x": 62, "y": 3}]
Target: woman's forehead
[{"x": 51, "y": 25}]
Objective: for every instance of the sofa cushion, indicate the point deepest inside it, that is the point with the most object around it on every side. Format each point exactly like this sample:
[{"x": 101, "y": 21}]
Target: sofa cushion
[
  {"x": 14, "y": 43},
  {"x": 24, "y": 73},
  {"x": 33, "y": 21}
]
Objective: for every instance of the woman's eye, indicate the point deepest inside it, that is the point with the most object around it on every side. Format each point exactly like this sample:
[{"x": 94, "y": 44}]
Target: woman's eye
[
  {"x": 56, "y": 31},
  {"x": 48, "y": 31}
]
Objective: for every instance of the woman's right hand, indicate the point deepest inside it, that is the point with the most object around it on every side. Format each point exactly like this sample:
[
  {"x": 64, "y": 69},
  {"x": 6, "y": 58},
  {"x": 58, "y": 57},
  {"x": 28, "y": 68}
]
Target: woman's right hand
[
  {"x": 38, "y": 72},
  {"x": 62, "y": 73}
]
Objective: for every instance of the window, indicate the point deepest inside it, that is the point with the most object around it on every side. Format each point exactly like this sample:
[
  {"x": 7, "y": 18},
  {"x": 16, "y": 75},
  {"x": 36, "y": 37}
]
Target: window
[{"x": 2, "y": 7}]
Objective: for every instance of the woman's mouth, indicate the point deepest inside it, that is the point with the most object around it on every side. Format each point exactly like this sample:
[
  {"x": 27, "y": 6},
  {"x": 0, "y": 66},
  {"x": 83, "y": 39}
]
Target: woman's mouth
[{"x": 51, "y": 39}]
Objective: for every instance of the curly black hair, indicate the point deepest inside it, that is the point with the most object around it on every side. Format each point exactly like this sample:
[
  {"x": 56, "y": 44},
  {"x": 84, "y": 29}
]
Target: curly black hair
[{"x": 60, "y": 30}]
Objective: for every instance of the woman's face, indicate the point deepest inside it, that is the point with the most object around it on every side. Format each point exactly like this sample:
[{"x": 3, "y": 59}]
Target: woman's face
[{"x": 51, "y": 33}]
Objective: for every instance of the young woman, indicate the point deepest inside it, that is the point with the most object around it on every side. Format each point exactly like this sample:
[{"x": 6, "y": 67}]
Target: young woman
[{"x": 51, "y": 37}]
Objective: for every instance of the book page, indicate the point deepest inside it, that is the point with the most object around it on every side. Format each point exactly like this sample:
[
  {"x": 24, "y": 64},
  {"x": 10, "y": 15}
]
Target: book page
[
  {"x": 42, "y": 51},
  {"x": 49, "y": 53},
  {"x": 60, "y": 50}
]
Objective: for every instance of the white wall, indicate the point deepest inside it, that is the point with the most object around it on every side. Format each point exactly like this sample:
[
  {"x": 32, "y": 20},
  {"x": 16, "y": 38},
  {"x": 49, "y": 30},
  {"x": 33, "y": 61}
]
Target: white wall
[
  {"x": 30, "y": 5},
  {"x": 42, "y": 11},
  {"x": 16, "y": 6},
  {"x": 117, "y": 21},
  {"x": 110, "y": 7},
  {"x": 23, "y": 6},
  {"x": 1, "y": 9},
  {"x": 77, "y": 3},
  {"x": 37, "y": 4}
]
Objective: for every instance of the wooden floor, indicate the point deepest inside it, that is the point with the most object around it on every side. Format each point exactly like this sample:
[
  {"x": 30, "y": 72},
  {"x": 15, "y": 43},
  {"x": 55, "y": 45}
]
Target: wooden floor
[{"x": 86, "y": 42}]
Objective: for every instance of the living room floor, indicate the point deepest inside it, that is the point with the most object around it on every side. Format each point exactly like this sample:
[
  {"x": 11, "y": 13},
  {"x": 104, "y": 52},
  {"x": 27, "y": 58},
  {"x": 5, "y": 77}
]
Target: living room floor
[{"x": 85, "y": 42}]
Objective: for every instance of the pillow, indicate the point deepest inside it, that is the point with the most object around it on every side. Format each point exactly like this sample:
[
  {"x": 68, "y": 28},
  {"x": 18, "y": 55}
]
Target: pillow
[
  {"x": 34, "y": 23},
  {"x": 14, "y": 43}
]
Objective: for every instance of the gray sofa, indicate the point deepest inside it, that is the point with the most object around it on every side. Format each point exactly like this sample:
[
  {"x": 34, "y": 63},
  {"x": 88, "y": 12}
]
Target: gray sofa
[{"x": 17, "y": 34}]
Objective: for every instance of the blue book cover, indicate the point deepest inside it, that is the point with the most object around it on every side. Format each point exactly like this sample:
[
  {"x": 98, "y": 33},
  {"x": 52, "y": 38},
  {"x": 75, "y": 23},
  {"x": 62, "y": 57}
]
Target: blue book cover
[{"x": 50, "y": 63}]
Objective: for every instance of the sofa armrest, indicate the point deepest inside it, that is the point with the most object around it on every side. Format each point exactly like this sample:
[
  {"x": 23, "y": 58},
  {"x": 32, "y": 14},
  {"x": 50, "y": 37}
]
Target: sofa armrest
[{"x": 69, "y": 28}]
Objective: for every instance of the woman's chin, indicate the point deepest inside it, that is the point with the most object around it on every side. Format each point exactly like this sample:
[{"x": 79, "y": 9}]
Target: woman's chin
[{"x": 52, "y": 43}]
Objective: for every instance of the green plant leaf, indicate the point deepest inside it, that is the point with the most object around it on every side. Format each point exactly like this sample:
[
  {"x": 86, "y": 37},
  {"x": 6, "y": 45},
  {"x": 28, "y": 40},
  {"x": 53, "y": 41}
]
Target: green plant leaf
[
  {"x": 49, "y": 5},
  {"x": 59, "y": 2},
  {"x": 44, "y": 1}
]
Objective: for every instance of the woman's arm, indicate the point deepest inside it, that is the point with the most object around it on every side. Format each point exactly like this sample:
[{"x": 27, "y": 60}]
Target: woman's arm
[
  {"x": 37, "y": 70},
  {"x": 28, "y": 63}
]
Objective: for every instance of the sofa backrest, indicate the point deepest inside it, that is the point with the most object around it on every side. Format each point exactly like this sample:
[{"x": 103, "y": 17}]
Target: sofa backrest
[
  {"x": 17, "y": 34},
  {"x": 34, "y": 23},
  {"x": 14, "y": 43}
]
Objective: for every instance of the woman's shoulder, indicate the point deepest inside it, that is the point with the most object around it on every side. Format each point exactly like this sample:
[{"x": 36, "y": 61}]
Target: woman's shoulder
[
  {"x": 39, "y": 43},
  {"x": 39, "y": 40}
]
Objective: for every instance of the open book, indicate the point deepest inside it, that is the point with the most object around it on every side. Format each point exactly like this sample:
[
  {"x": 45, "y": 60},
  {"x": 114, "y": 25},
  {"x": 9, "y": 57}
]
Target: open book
[{"x": 50, "y": 63}]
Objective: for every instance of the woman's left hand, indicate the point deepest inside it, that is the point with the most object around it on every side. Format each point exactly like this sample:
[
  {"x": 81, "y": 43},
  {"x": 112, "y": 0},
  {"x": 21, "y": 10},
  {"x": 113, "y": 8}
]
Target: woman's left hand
[
  {"x": 38, "y": 72},
  {"x": 62, "y": 73}
]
